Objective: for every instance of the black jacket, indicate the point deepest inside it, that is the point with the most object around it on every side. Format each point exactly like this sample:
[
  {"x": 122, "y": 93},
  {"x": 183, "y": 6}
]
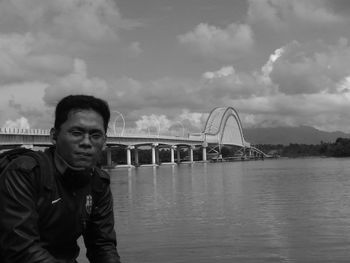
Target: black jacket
[{"x": 41, "y": 223}]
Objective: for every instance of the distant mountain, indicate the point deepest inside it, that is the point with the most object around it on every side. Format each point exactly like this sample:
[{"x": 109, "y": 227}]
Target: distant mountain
[{"x": 287, "y": 135}]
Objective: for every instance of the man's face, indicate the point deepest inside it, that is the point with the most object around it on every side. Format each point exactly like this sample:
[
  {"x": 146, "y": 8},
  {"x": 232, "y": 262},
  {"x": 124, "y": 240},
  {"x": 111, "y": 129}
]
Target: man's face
[{"x": 81, "y": 138}]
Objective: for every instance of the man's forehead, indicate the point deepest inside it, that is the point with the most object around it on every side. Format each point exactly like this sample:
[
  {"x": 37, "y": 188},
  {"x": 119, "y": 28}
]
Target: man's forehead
[
  {"x": 75, "y": 112},
  {"x": 84, "y": 116}
]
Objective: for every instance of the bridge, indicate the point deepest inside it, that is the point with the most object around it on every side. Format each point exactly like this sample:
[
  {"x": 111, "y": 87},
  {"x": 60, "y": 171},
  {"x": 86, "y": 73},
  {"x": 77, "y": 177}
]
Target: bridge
[{"x": 223, "y": 128}]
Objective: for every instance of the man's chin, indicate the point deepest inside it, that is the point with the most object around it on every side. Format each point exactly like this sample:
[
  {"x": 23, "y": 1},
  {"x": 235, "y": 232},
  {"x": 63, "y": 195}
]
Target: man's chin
[{"x": 83, "y": 164}]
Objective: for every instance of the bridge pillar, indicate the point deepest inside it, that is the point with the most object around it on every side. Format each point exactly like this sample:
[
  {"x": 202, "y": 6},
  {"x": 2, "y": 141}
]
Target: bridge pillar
[
  {"x": 204, "y": 151},
  {"x": 109, "y": 156},
  {"x": 137, "y": 163},
  {"x": 178, "y": 159},
  {"x": 191, "y": 148},
  {"x": 157, "y": 156},
  {"x": 128, "y": 154},
  {"x": 172, "y": 149},
  {"x": 154, "y": 146}
]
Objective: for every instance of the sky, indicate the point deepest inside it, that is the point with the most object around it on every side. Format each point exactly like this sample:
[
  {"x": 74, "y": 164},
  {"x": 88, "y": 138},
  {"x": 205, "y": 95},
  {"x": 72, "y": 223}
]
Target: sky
[{"x": 165, "y": 64}]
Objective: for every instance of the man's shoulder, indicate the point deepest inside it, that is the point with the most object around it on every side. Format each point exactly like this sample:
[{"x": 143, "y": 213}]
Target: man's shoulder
[
  {"x": 29, "y": 163},
  {"x": 24, "y": 162},
  {"x": 31, "y": 159},
  {"x": 102, "y": 175},
  {"x": 20, "y": 169},
  {"x": 101, "y": 180}
]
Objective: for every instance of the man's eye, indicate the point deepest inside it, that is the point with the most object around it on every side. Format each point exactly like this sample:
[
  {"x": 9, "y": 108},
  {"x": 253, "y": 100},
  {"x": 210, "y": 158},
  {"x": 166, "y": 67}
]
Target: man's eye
[
  {"x": 76, "y": 133},
  {"x": 96, "y": 136}
]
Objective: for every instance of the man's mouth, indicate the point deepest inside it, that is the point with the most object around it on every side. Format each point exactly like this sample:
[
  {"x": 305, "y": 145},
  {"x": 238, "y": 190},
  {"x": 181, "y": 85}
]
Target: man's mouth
[{"x": 83, "y": 154}]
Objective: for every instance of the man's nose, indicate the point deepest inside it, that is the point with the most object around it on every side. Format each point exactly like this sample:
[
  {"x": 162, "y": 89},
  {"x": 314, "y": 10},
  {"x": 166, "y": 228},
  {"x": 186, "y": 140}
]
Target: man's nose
[{"x": 86, "y": 140}]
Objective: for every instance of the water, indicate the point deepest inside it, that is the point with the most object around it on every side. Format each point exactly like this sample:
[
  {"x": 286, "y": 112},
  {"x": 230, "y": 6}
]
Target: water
[{"x": 285, "y": 210}]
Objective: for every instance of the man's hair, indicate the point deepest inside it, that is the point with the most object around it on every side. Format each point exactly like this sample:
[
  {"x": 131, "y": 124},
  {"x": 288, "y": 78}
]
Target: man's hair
[{"x": 83, "y": 102}]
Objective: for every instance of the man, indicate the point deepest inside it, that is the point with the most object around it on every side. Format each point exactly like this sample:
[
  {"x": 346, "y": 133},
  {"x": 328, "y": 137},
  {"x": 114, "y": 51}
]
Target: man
[{"x": 39, "y": 225}]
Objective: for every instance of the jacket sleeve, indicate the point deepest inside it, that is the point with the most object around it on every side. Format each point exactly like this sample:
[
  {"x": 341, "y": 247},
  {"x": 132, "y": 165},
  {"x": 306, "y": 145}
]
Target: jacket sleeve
[
  {"x": 100, "y": 236},
  {"x": 19, "y": 238}
]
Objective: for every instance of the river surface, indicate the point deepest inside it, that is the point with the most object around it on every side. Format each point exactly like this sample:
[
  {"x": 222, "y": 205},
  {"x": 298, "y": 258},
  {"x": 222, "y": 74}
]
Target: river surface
[{"x": 284, "y": 210}]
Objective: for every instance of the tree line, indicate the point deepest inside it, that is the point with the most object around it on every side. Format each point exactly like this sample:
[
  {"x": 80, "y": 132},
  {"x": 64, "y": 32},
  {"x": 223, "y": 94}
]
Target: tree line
[{"x": 339, "y": 148}]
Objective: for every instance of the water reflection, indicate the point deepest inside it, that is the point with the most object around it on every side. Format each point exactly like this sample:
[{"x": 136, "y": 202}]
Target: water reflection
[{"x": 264, "y": 211}]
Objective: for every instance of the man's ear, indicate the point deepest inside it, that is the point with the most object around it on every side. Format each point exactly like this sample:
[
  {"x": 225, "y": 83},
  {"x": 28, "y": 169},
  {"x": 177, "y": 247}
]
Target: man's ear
[{"x": 53, "y": 136}]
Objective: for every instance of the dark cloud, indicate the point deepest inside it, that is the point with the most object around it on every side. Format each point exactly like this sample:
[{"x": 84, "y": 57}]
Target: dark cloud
[
  {"x": 339, "y": 6},
  {"x": 302, "y": 70}
]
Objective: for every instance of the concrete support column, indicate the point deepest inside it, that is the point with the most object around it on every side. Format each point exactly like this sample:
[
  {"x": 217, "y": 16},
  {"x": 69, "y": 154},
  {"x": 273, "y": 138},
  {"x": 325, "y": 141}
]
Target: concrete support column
[
  {"x": 154, "y": 145},
  {"x": 204, "y": 151},
  {"x": 178, "y": 155},
  {"x": 157, "y": 155},
  {"x": 109, "y": 156},
  {"x": 137, "y": 163},
  {"x": 191, "y": 153},
  {"x": 172, "y": 149},
  {"x": 128, "y": 154}
]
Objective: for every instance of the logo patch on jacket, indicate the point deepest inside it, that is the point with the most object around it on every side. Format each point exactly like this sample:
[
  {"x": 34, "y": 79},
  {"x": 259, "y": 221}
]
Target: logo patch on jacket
[{"x": 88, "y": 204}]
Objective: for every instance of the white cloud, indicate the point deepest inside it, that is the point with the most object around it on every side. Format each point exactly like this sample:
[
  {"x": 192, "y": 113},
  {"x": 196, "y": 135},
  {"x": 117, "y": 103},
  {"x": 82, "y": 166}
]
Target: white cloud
[
  {"x": 344, "y": 85},
  {"x": 312, "y": 12},
  {"x": 285, "y": 55},
  {"x": 223, "y": 72},
  {"x": 268, "y": 67},
  {"x": 324, "y": 111},
  {"x": 21, "y": 58},
  {"x": 77, "y": 82},
  {"x": 134, "y": 49},
  {"x": 24, "y": 100},
  {"x": 282, "y": 14},
  {"x": 224, "y": 44},
  {"x": 312, "y": 67},
  {"x": 179, "y": 125},
  {"x": 154, "y": 124},
  {"x": 88, "y": 20},
  {"x": 194, "y": 121},
  {"x": 21, "y": 123}
]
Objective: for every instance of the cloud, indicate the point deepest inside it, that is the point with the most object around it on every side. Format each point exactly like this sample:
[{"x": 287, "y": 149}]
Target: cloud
[
  {"x": 21, "y": 58},
  {"x": 194, "y": 121},
  {"x": 224, "y": 44},
  {"x": 287, "y": 63},
  {"x": 89, "y": 20},
  {"x": 278, "y": 22},
  {"x": 226, "y": 83},
  {"x": 323, "y": 111},
  {"x": 344, "y": 85},
  {"x": 38, "y": 40},
  {"x": 158, "y": 123},
  {"x": 312, "y": 68},
  {"x": 21, "y": 123},
  {"x": 24, "y": 100},
  {"x": 223, "y": 72},
  {"x": 186, "y": 122},
  {"x": 75, "y": 83},
  {"x": 269, "y": 66},
  {"x": 315, "y": 75},
  {"x": 134, "y": 49},
  {"x": 283, "y": 14}
]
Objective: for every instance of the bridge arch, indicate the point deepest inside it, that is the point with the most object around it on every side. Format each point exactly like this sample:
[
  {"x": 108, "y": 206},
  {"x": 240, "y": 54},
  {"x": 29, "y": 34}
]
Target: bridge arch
[{"x": 224, "y": 126}]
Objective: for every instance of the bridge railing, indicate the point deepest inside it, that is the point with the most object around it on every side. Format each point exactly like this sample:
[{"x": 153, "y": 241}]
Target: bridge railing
[
  {"x": 128, "y": 133},
  {"x": 24, "y": 131}
]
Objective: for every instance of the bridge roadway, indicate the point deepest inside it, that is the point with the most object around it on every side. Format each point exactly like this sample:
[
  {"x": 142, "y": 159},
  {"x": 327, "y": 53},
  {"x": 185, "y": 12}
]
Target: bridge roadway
[{"x": 10, "y": 138}]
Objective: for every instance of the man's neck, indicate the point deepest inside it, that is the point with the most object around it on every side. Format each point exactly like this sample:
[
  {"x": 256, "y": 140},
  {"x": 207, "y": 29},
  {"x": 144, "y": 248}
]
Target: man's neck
[{"x": 62, "y": 165}]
